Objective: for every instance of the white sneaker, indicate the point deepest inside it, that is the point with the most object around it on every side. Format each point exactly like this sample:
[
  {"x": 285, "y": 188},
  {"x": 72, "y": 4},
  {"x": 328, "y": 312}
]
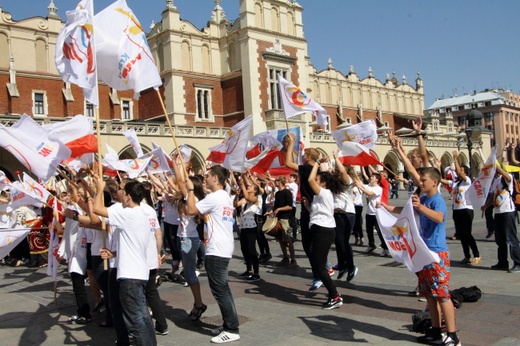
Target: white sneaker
[
  {"x": 385, "y": 253},
  {"x": 225, "y": 337}
]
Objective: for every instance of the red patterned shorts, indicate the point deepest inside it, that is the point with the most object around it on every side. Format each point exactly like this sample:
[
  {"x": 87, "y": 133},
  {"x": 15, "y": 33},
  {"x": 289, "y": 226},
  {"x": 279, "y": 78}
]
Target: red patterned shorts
[{"x": 434, "y": 279}]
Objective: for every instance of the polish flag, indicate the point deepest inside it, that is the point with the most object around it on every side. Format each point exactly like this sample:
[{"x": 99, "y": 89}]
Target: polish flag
[
  {"x": 355, "y": 154},
  {"x": 262, "y": 162},
  {"x": 77, "y": 134}
]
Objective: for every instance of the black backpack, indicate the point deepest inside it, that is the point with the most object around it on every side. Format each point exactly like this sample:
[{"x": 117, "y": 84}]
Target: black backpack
[
  {"x": 421, "y": 322},
  {"x": 465, "y": 295}
]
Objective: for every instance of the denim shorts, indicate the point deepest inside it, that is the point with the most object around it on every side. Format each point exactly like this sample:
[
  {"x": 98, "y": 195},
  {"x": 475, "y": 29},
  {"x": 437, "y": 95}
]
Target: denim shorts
[{"x": 189, "y": 248}]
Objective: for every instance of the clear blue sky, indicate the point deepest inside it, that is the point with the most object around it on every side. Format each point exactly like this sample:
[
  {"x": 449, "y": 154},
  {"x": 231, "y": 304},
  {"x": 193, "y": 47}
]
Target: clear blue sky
[{"x": 457, "y": 45}]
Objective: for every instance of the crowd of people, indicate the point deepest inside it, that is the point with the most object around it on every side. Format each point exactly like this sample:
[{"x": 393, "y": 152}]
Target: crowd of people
[{"x": 115, "y": 232}]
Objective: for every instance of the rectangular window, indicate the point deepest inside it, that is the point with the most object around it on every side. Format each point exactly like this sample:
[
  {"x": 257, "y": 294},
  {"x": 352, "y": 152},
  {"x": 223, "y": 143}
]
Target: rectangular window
[
  {"x": 274, "y": 90},
  {"x": 203, "y": 104},
  {"x": 89, "y": 109},
  {"x": 39, "y": 103},
  {"x": 126, "y": 110}
]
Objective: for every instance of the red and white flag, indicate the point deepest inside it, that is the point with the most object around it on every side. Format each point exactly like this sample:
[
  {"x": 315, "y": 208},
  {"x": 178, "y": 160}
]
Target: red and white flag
[
  {"x": 296, "y": 102},
  {"x": 76, "y": 133},
  {"x": 402, "y": 237},
  {"x": 355, "y": 154},
  {"x": 75, "y": 54},
  {"x": 479, "y": 189},
  {"x": 134, "y": 167},
  {"x": 134, "y": 142},
  {"x": 231, "y": 153},
  {"x": 364, "y": 133},
  {"x": 124, "y": 60},
  {"x": 34, "y": 147},
  {"x": 270, "y": 150}
]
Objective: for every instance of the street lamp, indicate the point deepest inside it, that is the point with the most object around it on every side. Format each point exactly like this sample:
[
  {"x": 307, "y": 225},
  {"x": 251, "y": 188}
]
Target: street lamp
[{"x": 473, "y": 132}]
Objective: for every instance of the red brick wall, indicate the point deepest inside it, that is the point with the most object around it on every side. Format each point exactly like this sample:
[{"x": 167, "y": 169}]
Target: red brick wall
[{"x": 56, "y": 104}]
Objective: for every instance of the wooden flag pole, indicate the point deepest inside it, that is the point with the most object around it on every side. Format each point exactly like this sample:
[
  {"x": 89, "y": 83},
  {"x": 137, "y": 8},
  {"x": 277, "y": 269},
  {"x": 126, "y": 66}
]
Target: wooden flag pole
[
  {"x": 100, "y": 175},
  {"x": 173, "y": 134}
]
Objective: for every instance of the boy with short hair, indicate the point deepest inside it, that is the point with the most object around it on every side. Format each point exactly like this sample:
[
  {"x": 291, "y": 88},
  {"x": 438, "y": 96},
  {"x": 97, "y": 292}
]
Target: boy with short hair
[{"x": 434, "y": 278}]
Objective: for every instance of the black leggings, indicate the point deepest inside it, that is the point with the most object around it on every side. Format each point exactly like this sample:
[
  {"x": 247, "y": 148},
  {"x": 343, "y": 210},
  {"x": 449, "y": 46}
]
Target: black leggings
[
  {"x": 248, "y": 247},
  {"x": 321, "y": 239},
  {"x": 463, "y": 219},
  {"x": 371, "y": 222},
  {"x": 358, "y": 224},
  {"x": 344, "y": 225}
]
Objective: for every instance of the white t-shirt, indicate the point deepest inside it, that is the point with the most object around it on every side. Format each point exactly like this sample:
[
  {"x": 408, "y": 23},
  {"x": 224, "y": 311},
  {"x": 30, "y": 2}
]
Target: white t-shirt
[
  {"x": 151, "y": 250},
  {"x": 502, "y": 196},
  {"x": 249, "y": 212},
  {"x": 372, "y": 200},
  {"x": 134, "y": 236},
  {"x": 459, "y": 194},
  {"x": 294, "y": 190},
  {"x": 187, "y": 226},
  {"x": 217, "y": 208},
  {"x": 357, "y": 196},
  {"x": 73, "y": 245},
  {"x": 322, "y": 209},
  {"x": 344, "y": 201}
]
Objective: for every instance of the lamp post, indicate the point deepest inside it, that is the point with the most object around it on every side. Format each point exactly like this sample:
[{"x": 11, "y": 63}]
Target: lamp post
[{"x": 473, "y": 132}]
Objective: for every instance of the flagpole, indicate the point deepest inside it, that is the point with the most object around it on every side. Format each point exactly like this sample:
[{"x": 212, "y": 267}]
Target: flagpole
[
  {"x": 173, "y": 134},
  {"x": 100, "y": 175}
]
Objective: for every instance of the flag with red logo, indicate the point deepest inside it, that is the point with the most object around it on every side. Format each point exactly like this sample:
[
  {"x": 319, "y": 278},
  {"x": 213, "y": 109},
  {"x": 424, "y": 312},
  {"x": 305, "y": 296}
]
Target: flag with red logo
[
  {"x": 134, "y": 167},
  {"x": 34, "y": 147},
  {"x": 157, "y": 163},
  {"x": 364, "y": 133},
  {"x": 402, "y": 237},
  {"x": 124, "y": 60},
  {"x": 479, "y": 189},
  {"x": 296, "y": 102},
  {"x": 23, "y": 195},
  {"x": 75, "y": 54},
  {"x": 76, "y": 133},
  {"x": 231, "y": 153},
  {"x": 35, "y": 188},
  {"x": 355, "y": 154}
]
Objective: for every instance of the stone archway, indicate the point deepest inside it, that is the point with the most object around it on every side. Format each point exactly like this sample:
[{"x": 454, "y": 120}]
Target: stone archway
[
  {"x": 446, "y": 161},
  {"x": 393, "y": 164},
  {"x": 197, "y": 161},
  {"x": 128, "y": 153}
]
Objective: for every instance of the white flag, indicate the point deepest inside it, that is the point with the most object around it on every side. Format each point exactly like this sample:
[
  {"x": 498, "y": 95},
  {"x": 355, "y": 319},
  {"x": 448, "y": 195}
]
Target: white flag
[
  {"x": 22, "y": 195},
  {"x": 479, "y": 189},
  {"x": 34, "y": 187},
  {"x": 231, "y": 153},
  {"x": 34, "y": 147},
  {"x": 9, "y": 238},
  {"x": 134, "y": 142},
  {"x": 157, "y": 163},
  {"x": 364, "y": 133},
  {"x": 75, "y": 54},
  {"x": 402, "y": 237},
  {"x": 297, "y": 102},
  {"x": 124, "y": 60}
]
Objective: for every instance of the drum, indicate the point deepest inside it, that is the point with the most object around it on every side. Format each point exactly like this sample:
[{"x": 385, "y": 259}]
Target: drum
[{"x": 272, "y": 227}]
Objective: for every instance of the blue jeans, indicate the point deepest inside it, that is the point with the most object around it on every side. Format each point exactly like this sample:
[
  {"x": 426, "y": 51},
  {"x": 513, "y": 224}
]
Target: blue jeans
[
  {"x": 135, "y": 312},
  {"x": 189, "y": 247},
  {"x": 217, "y": 270},
  {"x": 506, "y": 234}
]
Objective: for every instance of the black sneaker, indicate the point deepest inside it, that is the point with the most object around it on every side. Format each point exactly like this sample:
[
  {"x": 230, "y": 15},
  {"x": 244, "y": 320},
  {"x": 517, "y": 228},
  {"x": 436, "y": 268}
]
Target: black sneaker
[
  {"x": 158, "y": 332},
  {"x": 499, "y": 266},
  {"x": 333, "y": 303},
  {"x": 79, "y": 320},
  {"x": 253, "y": 278},
  {"x": 265, "y": 258},
  {"x": 431, "y": 337},
  {"x": 245, "y": 275},
  {"x": 515, "y": 269},
  {"x": 489, "y": 234},
  {"x": 352, "y": 273},
  {"x": 342, "y": 273}
]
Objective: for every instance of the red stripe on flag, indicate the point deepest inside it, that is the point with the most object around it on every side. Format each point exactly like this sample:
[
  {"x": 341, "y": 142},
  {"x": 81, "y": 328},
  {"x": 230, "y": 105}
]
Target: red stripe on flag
[{"x": 83, "y": 145}]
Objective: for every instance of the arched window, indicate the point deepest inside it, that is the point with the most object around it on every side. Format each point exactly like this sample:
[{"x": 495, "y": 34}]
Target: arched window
[
  {"x": 186, "y": 56},
  {"x": 275, "y": 19},
  {"x": 4, "y": 51},
  {"x": 206, "y": 59},
  {"x": 259, "y": 16},
  {"x": 41, "y": 55}
]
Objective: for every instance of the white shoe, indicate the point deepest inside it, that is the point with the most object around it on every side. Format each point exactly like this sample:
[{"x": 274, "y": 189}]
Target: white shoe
[
  {"x": 225, "y": 337},
  {"x": 384, "y": 253}
]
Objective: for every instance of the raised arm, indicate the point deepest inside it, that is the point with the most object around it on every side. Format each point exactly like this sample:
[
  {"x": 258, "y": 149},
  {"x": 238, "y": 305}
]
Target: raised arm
[
  {"x": 417, "y": 126},
  {"x": 316, "y": 188},
  {"x": 289, "y": 162},
  {"x": 345, "y": 178}
]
